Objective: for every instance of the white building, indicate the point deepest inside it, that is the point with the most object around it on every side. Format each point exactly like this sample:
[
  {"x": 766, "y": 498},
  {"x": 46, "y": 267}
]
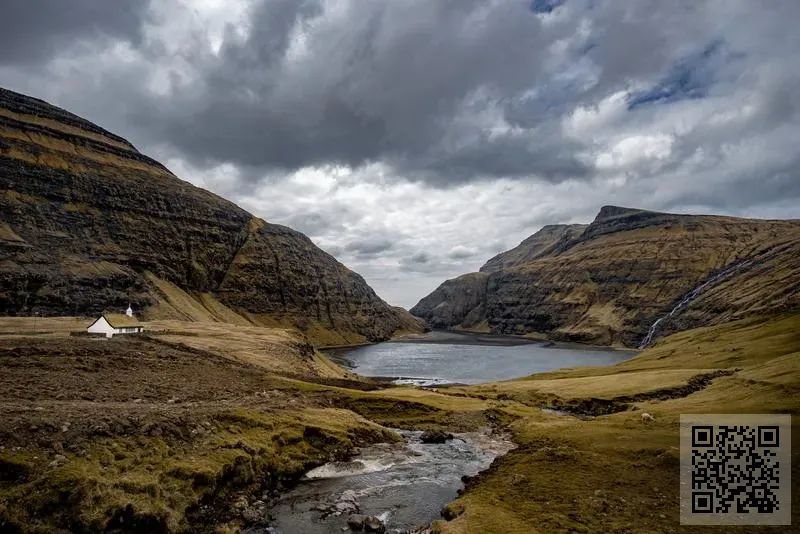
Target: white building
[{"x": 112, "y": 324}]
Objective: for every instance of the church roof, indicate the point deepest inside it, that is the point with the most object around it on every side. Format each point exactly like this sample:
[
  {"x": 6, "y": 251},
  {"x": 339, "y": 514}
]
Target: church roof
[{"x": 120, "y": 320}]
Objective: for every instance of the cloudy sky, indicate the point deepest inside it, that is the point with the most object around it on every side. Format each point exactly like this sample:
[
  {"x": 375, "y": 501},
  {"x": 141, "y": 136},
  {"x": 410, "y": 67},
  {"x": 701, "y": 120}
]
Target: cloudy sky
[{"x": 414, "y": 139}]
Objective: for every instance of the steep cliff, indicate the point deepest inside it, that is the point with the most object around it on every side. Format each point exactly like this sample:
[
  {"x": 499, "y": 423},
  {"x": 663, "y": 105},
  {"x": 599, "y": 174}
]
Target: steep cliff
[
  {"x": 608, "y": 282},
  {"x": 457, "y": 302},
  {"x": 88, "y": 223}
]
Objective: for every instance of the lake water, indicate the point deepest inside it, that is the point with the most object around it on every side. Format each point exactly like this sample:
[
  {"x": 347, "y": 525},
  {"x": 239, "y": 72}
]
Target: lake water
[{"x": 448, "y": 357}]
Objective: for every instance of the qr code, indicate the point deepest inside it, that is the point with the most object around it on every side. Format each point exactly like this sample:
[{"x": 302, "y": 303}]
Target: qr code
[{"x": 735, "y": 469}]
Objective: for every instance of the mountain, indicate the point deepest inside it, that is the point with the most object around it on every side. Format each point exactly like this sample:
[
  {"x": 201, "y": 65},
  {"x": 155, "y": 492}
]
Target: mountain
[
  {"x": 609, "y": 281},
  {"x": 90, "y": 224}
]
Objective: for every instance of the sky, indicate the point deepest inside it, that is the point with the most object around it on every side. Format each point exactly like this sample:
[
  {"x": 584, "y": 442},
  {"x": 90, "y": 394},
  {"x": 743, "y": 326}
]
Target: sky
[{"x": 415, "y": 139}]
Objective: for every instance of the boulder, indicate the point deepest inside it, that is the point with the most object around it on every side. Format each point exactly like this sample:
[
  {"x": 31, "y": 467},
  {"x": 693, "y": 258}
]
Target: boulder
[
  {"x": 58, "y": 460},
  {"x": 356, "y": 522},
  {"x": 375, "y": 525},
  {"x": 435, "y": 436},
  {"x": 452, "y": 510}
]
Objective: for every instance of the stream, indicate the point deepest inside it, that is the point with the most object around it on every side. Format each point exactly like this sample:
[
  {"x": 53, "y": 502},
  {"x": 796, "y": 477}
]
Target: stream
[{"x": 405, "y": 485}]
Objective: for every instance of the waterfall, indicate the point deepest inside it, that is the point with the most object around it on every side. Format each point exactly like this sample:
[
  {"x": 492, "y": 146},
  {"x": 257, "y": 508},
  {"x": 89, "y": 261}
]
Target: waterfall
[{"x": 690, "y": 296}]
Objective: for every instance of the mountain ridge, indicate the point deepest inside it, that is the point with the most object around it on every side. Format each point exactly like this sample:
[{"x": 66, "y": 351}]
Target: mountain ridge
[{"x": 608, "y": 281}]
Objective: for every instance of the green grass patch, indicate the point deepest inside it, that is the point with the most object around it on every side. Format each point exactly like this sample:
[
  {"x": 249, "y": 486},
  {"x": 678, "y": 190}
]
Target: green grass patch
[{"x": 147, "y": 484}]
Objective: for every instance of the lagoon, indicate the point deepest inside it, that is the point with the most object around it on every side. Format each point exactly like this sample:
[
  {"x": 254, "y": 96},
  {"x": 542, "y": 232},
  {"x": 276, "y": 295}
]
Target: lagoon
[{"x": 438, "y": 358}]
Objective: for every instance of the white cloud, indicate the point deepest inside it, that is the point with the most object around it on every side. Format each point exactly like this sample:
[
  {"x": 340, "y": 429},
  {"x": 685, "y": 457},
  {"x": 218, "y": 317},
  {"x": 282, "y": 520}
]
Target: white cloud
[
  {"x": 585, "y": 123},
  {"x": 635, "y": 150}
]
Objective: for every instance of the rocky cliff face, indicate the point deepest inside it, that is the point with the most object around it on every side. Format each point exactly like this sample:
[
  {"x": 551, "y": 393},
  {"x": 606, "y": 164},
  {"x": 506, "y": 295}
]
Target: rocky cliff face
[
  {"x": 609, "y": 281},
  {"x": 89, "y": 223},
  {"x": 458, "y": 302}
]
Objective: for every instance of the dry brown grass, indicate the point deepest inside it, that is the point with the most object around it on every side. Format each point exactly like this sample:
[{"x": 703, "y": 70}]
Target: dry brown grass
[
  {"x": 319, "y": 333},
  {"x": 161, "y": 481},
  {"x": 61, "y": 154},
  {"x": 274, "y": 349},
  {"x": 14, "y": 197},
  {"x": 174, "y": 303},
  {"x": 42, "y": 326},
  {"x": 611, "y": 473},
  {"x": 603, "y": 386}
]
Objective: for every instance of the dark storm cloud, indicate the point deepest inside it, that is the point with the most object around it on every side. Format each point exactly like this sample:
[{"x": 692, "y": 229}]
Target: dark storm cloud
[
  {"x": 33, "y": 30},
  {"x": 420, "y": 257},
  {"x": 397, "y": 83},
  {"x": 369, "y": 247},
  {"x": 460, "y": 253},
  {"x": 438, "y": 92}
]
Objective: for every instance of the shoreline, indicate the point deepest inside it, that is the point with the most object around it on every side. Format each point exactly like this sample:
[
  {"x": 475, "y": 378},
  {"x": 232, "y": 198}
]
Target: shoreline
[
  {"x": 466, "y": 337},
  {"x": 457, "y": 337}
]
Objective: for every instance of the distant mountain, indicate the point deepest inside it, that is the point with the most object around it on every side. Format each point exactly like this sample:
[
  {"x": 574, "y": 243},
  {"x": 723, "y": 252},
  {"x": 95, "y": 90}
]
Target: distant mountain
[
  {"x": 90, "y": 224},
  {"x": 609, "y": 281}
]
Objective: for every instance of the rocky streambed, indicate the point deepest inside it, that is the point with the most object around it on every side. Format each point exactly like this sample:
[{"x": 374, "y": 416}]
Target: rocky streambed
[{"x": 396, "y": 488}]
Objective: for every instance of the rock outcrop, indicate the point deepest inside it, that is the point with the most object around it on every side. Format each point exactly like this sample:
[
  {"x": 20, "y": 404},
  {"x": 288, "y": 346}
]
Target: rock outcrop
[
  {"x": 607, "y": 282},
  {"x": 90, "y": 224},
  {"x": 461, "y": 301}
]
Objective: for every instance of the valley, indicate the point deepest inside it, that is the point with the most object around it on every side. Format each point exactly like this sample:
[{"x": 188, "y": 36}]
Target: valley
[{"x": 213, "y": 418}]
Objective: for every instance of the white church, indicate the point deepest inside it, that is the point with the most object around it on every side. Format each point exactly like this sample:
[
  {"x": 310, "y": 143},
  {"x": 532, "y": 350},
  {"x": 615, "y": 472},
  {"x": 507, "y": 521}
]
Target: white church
[{"x": 112, "y": 324}]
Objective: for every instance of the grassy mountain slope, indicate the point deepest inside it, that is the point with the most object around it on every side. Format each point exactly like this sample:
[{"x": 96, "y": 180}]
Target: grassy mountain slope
[{"x": 89, "y": 223}]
